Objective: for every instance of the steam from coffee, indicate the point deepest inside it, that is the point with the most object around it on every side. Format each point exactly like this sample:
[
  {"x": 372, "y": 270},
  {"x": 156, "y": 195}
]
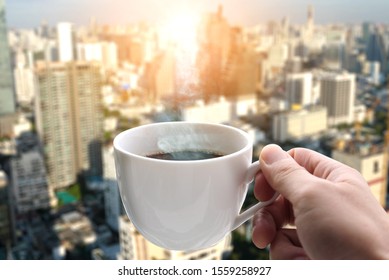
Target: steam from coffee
[
  {"x": 185, "y": 143},
  {"x": 181, "y": 142}
]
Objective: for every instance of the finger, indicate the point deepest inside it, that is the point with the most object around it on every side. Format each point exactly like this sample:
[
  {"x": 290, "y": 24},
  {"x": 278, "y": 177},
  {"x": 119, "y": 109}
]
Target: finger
[
  {"x": 262, "y": 190},
  {"x": 284, "y": 174},
  {"x": 287, "y": 246},
  {"x": 264, "y": 229},
  {"x": 269, "y": 219}
]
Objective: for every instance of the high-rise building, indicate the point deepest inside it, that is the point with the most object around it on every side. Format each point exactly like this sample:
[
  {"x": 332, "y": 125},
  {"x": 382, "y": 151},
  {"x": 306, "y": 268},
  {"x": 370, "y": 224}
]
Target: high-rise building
[
  {"x": 214, "y": 39},
  {"x": 112, "y": 204},
  {"x": 160, "y": 76},
  {"x": 376, "y": 49},
  {"x": 337, "y": 93},
  {"x": 310, "y": 21},
  {"x": 5, "y": 224},
  {"x": 29, "y": 184},
  {"x": 24, "y": 79},
  {"x": 275, "y": 61},
  {"x": 44, "y": 29},
  {"x": 298, "y": 89},
  {"x": 69, "y": 120},
  {"x": 367, "y": 28},
  {"x": 241, "y": 72},
  {"x": 7, "y": 96},
  {"x": 66, "y": 43}
]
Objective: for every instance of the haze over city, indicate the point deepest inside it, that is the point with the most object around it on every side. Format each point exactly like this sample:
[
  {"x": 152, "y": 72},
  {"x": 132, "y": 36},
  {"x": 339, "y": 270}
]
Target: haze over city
[{"x": 30, "y": 13}]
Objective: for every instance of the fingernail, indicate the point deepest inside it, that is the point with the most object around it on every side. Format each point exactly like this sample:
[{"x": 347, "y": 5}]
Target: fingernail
[{"x": 273, "y": 153}]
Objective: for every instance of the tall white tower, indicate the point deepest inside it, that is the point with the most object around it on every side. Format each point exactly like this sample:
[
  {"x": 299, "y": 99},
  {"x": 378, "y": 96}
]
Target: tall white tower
[
  {"x": 65, "y": 37},
  {"x": 337, "y": 93},
  {"x": 310, "y": 21}
]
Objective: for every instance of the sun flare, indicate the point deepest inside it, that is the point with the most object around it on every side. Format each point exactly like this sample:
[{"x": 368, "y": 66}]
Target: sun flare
[{"x": 181, "y": 29}]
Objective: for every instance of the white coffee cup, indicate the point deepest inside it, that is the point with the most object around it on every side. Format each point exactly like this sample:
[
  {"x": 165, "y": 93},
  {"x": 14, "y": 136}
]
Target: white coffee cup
[{"x": 185, "y": 205}]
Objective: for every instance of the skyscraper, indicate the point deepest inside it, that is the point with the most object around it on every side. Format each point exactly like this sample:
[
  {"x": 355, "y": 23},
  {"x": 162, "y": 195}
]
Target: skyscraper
[
  {"x": 113, "y": 205},
  {"x": 29, "y": 182},
  {"x": 5, "y": 225},
  {"x": 7, "y": 97},
  {"x": 310, "y": 25},
  {"x": 69, "y": 120},
  {"x": 367, "y": 28},
  {"x": 376, "y": 50},
  {"x": 65, "y": 38},
  {"x": 337, "y": 93},
  {"x": 214, "y": 37}
]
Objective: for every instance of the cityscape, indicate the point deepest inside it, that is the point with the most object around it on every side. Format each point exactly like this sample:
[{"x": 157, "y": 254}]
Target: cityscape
[{"x": 66, "y": 90}]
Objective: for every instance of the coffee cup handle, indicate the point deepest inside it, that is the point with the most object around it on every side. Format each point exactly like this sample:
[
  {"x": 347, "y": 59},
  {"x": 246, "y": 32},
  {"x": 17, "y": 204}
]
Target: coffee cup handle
[{"x": 249, "y": 213}]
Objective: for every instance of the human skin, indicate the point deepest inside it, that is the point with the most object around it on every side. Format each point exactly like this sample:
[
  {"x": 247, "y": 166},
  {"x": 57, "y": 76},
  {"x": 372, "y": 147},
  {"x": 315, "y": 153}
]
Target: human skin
[{"x": 329, "y": 205}]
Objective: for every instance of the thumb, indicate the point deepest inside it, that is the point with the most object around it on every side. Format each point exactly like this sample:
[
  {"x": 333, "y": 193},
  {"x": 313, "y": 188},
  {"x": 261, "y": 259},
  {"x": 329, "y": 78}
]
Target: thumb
[{"x": 282, "y": 172}]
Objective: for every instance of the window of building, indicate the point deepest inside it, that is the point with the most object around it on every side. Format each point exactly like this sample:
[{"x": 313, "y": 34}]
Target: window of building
[{"x": 376, "y": 167}]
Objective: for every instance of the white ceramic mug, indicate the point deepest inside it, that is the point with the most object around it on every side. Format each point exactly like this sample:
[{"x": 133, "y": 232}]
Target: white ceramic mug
[{"x": 185, "y": 205}]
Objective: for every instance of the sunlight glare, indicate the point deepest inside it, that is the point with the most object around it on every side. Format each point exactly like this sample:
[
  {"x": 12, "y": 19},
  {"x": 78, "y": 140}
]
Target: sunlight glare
[{"x": 181, "y": 29}]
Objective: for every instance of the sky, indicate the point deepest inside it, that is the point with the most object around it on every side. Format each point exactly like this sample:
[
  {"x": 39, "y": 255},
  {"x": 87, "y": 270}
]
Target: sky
[{"x": 30, "y": 13}]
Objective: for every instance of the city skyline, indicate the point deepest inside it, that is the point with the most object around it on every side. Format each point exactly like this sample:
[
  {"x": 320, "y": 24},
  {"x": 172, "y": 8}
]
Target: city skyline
[
  {"x": 82, "y": 75},
  {"x": 28, "y": 14}
]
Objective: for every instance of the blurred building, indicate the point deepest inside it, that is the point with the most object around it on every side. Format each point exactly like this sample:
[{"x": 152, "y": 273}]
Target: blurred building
[
  {"x": 29, "y": 185},
  {"x": 376, "y": 50},
  {"x": 277, "y": 56},
  {"x": 337, "y": 94},
  {"x": 298, "y": 89},
  {"x": 7, "y": 128},
  {"x": 24, "y": 79},
  {"x": 334, "y": 49},
  {"x": 136, "y": 44},
  {"x": 310, "y": 24},
  {"x": 295, "y": 125},
  {"x": 104, "y": 52},
  {"x": 367, "y": 30},
  {"x": 112, "y": 201},
  {"x": 66, "y": 41},
  {"x": 244, "y": 105},
  {"x": 159, "y": 78},
  {"x": 133, "y": 246},
  {"x": 69, "y": 120},
  {"x": 369, "y": 159},
  {"x": 215, "y": 41},
  {"x": 74, "y": 230},
  {"x": 241, "y": 72},
  {"x": 7, "y": 98},
  {"x": 5, "y": 224},
  {"x": 293, "y": 65},
  {"x": 216, "y": 111}
]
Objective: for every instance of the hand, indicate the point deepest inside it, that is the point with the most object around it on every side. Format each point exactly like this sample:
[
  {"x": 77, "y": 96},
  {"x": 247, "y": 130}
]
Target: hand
[{"x": 330, "y": 205}]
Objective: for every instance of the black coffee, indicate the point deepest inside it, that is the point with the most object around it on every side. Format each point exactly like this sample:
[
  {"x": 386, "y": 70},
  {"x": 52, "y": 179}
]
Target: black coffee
[{"x": 185, "y": 155}]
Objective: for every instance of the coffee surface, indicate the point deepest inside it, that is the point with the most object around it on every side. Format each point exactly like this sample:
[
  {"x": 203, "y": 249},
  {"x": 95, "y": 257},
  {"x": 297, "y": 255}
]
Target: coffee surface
[{"x": 185, "y": 155}]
